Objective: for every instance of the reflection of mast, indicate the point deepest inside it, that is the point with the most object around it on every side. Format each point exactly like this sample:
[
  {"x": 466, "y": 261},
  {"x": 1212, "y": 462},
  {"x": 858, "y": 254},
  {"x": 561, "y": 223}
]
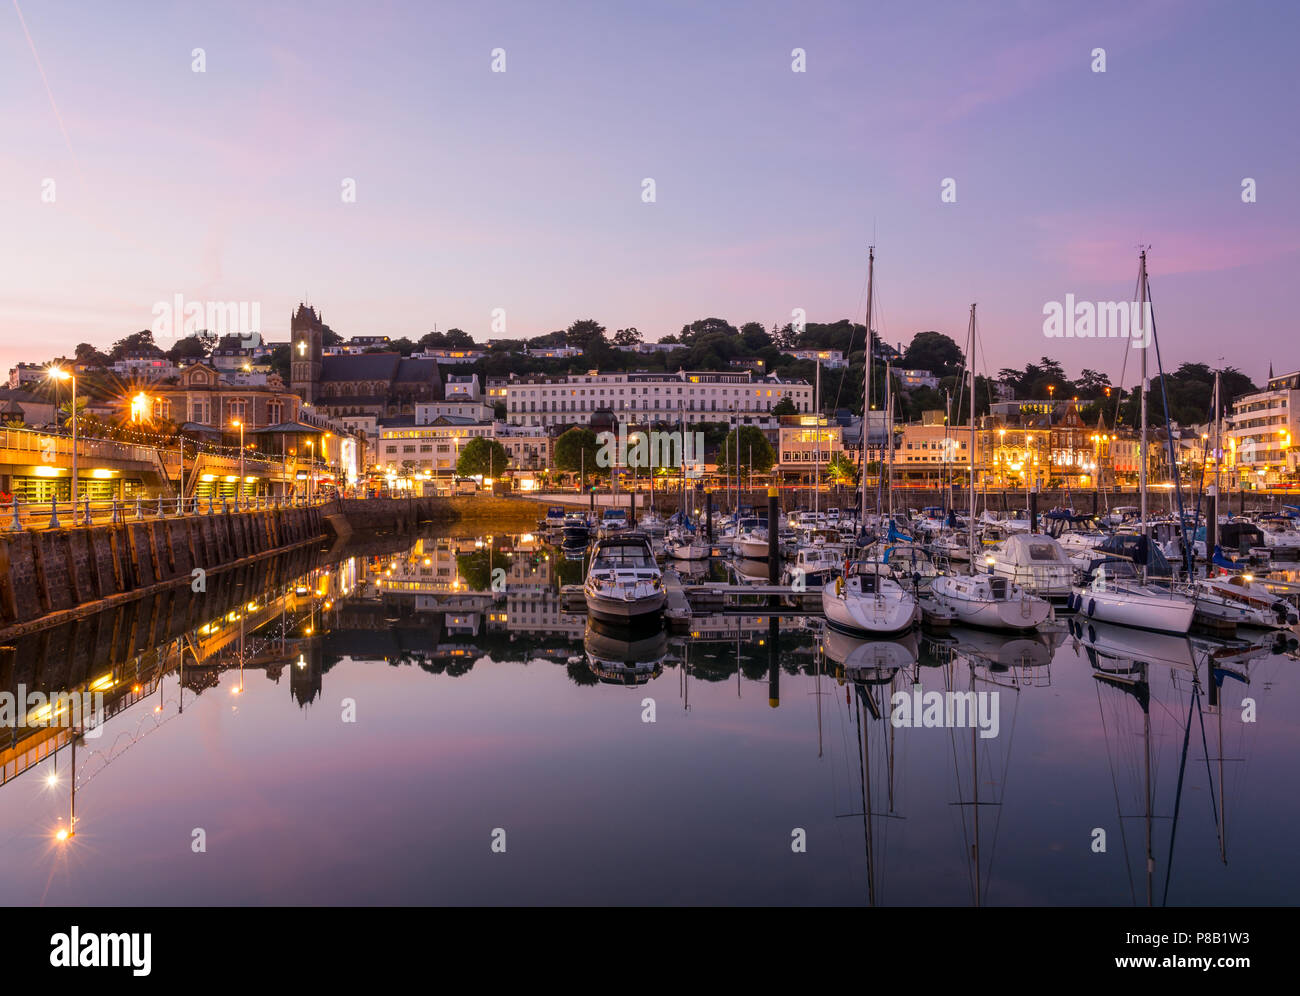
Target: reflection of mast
[{"x": 978, "y": 884}]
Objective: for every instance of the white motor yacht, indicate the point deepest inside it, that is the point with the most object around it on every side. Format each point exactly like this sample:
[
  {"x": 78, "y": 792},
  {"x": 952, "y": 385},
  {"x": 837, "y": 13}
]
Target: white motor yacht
[{"x": 624, "y": 584}]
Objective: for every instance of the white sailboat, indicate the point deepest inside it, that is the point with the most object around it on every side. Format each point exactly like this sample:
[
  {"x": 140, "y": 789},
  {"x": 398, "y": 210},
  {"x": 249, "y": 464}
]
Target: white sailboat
[
  {"x": 1132, "y": 601},
  {"x": 984, "y": 600}
]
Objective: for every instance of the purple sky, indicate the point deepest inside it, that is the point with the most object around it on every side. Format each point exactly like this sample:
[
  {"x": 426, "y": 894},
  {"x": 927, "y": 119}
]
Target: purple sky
[{"x": 522, "y": 190}]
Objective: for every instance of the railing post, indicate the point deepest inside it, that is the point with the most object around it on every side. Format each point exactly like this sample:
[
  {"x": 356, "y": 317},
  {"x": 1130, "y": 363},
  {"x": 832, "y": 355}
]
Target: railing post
[
  {"x": 54, "y": 513},
  {"x": 117, "y": 513},
  {"x": 16, "y": 525},
  {"x": 87, "y": 511},
  {"x": 139, "y": 508},
  {"x": 211, "y": 511}
]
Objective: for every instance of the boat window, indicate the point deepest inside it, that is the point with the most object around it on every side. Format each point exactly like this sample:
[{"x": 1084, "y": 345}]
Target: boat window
[
  {"x": 1042, "y": 551},
  {"x": 998, "y": 587}
]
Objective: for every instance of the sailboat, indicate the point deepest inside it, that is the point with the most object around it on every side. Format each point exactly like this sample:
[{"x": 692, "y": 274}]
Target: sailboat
[
  {"x": 985, "y": 599},
  {"x": 1130, "y": 600},
  {"x": 866, "y": 601}
]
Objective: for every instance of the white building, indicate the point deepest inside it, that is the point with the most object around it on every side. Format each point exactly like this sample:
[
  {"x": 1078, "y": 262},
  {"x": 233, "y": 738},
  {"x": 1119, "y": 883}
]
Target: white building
[
  {"x": 401, "y": 447},
  {"x": 831, "y": 359},
  {"x": 452, "y": 357},
  {"x": 552, "y": 352},
  {"x": 917, "y": 378},
  {"x": 704, "y": 396},
  {"x": 1262, "y": 432},
  {"x": 428, "y": 412}
]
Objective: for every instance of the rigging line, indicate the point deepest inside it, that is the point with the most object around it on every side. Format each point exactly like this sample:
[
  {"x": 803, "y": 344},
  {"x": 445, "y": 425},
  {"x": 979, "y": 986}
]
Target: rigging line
[
  {"x": 1123, "y": 837},
  {"x": 862, "y": 293},
  {"x": 961, "y": 801},
  {"x": 1006, "y": 768},
  {"x": 1178, "y": 795},
  {"x": 1205, "y": 748}
]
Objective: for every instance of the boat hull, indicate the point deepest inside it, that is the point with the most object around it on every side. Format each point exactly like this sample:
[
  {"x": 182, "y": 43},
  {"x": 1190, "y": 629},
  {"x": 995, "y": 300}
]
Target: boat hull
[
  {"x": 868, "y": 615},
  {"x": 1138, "y": 609}
]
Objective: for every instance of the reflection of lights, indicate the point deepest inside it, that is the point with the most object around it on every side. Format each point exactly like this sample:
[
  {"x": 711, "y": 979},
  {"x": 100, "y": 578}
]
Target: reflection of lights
[
  {"x": 61, "y": 835},
  {"x": 301, "y": 661},
  {"x": 101, "y": 683},
  {"x": 52, "y": 779}
]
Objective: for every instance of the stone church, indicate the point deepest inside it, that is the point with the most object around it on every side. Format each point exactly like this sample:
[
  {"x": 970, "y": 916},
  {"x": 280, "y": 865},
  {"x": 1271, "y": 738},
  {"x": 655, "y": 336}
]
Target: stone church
[{"x": 384, "y": 385}]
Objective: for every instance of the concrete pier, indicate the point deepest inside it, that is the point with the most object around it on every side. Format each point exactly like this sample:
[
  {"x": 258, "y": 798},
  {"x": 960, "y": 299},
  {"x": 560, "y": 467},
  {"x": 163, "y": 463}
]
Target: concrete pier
[{"x": 48, "y": 573}]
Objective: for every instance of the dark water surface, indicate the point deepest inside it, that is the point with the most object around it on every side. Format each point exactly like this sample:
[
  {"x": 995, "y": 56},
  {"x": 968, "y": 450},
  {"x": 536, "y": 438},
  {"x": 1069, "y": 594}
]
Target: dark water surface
[{"x": 399, "y": 712}]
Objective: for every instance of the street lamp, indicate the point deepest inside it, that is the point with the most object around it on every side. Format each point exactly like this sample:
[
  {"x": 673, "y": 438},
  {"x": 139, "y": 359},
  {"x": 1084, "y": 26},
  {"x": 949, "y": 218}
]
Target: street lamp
[
  {"x": 238, "y": 424},
  {"x": 311, "y": 465},
  {"x": 58, "y": 373}
]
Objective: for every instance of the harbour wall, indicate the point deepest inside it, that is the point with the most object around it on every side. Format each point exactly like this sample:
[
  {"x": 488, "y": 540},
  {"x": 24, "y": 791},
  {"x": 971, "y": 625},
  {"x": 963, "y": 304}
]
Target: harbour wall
[{"x": 50, "y": 575}]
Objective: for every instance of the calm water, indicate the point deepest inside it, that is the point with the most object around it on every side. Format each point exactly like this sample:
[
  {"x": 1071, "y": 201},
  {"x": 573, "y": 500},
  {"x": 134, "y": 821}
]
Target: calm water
[{"x": 394, "y": 713}]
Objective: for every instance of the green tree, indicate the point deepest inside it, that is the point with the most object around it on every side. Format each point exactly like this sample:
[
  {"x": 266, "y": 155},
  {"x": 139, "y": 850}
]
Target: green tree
[
  {"x": 785, "y": 407},
  {"x": 586, "y": 334},
  {"x": 576, "y": 450},
  {"x": 482, "y": 457},
  {"x": 935, "y": 352},
  {"x": 744, "y": 447},
  {"x": 135, "y": 342},
  {"x": 626, "y": 338},
  {"x": 841, "y": 469}
]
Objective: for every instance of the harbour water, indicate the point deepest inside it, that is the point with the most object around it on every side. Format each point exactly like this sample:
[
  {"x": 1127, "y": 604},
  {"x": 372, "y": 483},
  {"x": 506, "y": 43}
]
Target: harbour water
[{"x": 422, "y": 722}]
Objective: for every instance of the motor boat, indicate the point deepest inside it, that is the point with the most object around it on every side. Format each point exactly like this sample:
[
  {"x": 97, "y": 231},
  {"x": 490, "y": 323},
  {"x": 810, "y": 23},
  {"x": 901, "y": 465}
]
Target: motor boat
[
  {"x": 1035, "y": 562},
  {"x": 554, "y": 519},
  {"x": 613, "y": 521},
  {"x": 624, "y": 584},
  {"x": 990, "y": 601},
  {"x": 753, "y": 543},
  {"x": 814, "y": 566},
  {"x": 868, "y": 602},
  {"x": 1261, "y": 607},
  {"x": 576, "y": 531}
]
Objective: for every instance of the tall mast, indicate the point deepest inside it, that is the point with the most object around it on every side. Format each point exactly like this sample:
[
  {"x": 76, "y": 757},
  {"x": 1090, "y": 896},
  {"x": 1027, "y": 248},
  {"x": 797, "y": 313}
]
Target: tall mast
[
  {"x": 970, "y": 363},
  {"x": 866, "y": 394},
  {"x": 889, "y": 431},
  {"x": 1142, "y": 389},
  {"x": 817, "y": 463}
]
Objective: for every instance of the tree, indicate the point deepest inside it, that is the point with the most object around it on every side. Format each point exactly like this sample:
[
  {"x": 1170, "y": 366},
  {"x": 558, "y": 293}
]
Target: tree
[
  {"x": 706, "y": 326},
  {"x": 458, "y": 339},
  {"x": 785, "y": 407},
  {"x": 482, "y": 457},
  {"x": 841, "y": 469},
  {"x": 133, "y": 343},
  {"x": 188, "y": 347},
  {"x": 755, "y": 336},
  {"x": 576, "y": 450},
  {"x": 88, "y": 354},
  {"x": 585, "y": 334},
  {"x": 935, "y": 352},
  {"x": 627, "y": 338},
  {"x": 744, "y": 447}
]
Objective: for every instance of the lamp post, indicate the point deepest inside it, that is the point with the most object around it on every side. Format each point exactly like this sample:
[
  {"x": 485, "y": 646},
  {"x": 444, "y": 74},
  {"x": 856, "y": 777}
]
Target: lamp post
[
  {"x": 58, "y": 373},
  {"x": 239, "y": 424},
  {"x": 311, "y": 465}
]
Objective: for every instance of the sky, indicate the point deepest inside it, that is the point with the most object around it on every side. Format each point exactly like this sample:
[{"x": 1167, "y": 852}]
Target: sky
[{"x": 523, "y": 190}]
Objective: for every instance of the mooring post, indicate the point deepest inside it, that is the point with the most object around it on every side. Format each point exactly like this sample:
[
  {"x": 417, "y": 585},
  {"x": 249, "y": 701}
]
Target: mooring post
[
  {"x": 54, "y": 513},
  {"x": 16, "y": 525},
  {"x": 708, "y": 515},
  {"x": 773, "y": 538}
]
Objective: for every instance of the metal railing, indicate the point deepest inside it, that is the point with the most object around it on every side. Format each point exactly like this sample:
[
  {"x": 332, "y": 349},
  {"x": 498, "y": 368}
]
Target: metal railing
[{"x": 54, "y": 514}]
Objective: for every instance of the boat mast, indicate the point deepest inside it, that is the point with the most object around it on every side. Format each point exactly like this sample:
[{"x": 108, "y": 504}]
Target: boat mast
[
  {"x": 889, "y": 431},
  {"x": 970, "y": 363},
  {"x": 866, "y": 394},
  {"x": 1142, "y": 397},
  {"x": 817, "y": 463}
]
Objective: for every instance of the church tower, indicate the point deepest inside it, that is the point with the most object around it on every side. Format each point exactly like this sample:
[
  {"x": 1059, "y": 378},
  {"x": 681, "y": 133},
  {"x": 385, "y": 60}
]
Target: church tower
[{"x": 306, "y": 341}]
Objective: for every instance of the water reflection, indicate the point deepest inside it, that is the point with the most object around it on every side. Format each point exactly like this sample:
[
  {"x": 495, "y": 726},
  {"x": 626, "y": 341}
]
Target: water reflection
[{"x": 479, "y": 688}]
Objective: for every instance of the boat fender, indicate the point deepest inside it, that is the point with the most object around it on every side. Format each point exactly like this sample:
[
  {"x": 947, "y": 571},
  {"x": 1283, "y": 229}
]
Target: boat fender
[
  {"x": 1092, "y": 605},
  {"x": 839, "y": 586}
]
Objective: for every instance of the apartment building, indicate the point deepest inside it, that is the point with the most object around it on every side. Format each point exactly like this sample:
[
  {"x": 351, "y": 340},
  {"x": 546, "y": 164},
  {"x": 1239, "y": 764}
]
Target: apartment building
[
  {"x": 703, "y": 396},
  {"x": 1261, "y": 433}
]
